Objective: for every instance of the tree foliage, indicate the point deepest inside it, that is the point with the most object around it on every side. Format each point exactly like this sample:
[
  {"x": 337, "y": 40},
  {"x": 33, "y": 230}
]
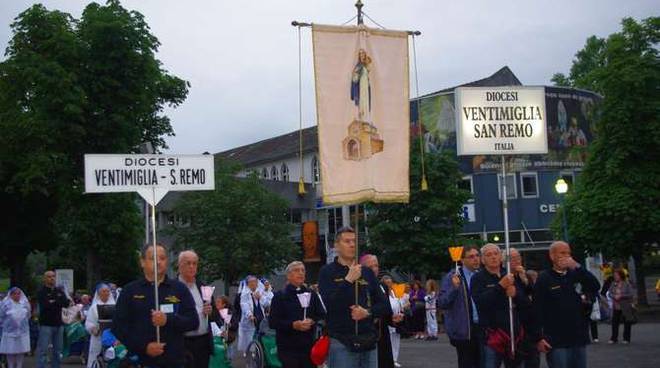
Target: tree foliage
[
  {"x": 614, "y": 206},
  {"x": 69, "y": 87},
  {"x": 414, "y": 237},
  {"x": 239, "y": 228}
]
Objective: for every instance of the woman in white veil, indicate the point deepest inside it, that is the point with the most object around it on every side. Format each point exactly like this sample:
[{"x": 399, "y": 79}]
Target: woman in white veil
[
  {"x": 102, "y": 296},
  {"x": 15, "y": 315},
  {"x": 251, "y": 293}
]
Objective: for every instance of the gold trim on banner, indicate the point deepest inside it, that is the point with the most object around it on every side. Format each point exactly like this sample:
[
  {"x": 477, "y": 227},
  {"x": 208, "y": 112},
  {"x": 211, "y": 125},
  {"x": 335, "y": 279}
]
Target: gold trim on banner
[{"x": 366, "y": 195}]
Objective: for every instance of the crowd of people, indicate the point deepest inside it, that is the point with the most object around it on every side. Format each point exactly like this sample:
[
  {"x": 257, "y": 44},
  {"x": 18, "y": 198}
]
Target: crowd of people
[{"x": 353, "y": 310}]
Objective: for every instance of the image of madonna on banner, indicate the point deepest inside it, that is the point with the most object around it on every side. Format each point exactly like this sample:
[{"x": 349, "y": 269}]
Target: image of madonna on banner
[{"x": 362, "y": 95}]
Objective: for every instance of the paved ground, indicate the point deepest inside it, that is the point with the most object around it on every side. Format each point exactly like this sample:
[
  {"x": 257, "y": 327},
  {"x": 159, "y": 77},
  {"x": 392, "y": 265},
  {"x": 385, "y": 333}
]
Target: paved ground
[{"x": 643, "y": 352}]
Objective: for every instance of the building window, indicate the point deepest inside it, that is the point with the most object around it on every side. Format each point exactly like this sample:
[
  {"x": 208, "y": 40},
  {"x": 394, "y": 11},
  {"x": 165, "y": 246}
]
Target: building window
[
  {"x": 285, "y": 173},
  {"x": 273, "y": 174},
  {"x": 177, "y": 220},
  {"x": 540, "y": 235},
  {"x": 569, "y": 178},
  {"x": 529, "y": 184},
  {"x": 466, "y": 184},
  {"x": 316, "y": 172},
  {"x": 295, "y": 216},
  {"x": 264, "y": 173},
  {"x": 510, "y": 186},
  {"x": 334, "y": 220}
]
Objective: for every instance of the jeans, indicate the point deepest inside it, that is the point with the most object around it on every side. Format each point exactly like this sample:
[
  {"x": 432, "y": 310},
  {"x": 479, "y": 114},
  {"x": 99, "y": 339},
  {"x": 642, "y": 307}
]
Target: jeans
[
  {"x": 431, "y": 323},
  {"x": 575, "y": 357},
  {"x": 340, "y": 357},
  {"x": 49, "y": 335},
  {"x": 492, "y": 359}
]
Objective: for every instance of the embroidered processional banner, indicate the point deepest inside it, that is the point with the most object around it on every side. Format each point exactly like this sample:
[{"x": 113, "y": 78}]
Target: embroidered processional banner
[{"x": 362, "y": 104}]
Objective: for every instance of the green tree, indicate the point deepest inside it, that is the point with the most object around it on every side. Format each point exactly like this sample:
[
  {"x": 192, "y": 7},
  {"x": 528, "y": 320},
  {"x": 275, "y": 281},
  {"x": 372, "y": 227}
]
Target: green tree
[
  {"x": 114, "y": 244},
  {"x": 586, "y": 61},
  {"x": 69, "y": 87},
  {"x": 414, "y": 237},
  {"x": 613, "y": 208},
  {"x": 39, "y": 107},
  {"x": 238, "y": 228}
]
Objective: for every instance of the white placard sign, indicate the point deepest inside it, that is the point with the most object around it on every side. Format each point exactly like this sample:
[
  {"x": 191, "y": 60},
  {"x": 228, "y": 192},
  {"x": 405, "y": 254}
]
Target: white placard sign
[
  {"x": 64, "y": 278},
  {"x": 500, "y": 120},
  {"x": 151, "y": 176}
]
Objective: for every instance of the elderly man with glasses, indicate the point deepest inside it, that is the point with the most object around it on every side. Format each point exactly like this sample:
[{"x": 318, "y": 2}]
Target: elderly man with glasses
[{"x": 461, "y": 315}]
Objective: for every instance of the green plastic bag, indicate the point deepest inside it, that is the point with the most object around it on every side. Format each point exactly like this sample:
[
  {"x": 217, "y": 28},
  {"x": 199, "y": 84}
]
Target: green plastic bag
[
  {"x": 219, "y": 357},
  {"x": 73, "y": 333},
  {"x": 270, "y": 351}
]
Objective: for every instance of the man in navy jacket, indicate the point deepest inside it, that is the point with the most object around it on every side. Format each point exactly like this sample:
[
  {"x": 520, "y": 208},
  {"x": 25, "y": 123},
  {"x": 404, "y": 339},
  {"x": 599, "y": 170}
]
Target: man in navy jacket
[
  {"x": 491, "y": 289},
  {"x": 293, "y": 324},
  {"x": 351, "y": 346},
  {"x": 561, "y": 314},
  {"x": 135, "y": 321}
]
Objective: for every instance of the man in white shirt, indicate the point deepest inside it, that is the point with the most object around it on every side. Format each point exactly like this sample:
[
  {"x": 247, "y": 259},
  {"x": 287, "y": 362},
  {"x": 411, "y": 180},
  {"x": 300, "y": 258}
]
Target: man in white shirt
[{"x": 198, "y": 343}]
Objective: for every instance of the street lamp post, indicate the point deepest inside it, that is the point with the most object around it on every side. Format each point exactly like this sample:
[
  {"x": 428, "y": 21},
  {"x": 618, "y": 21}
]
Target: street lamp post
[{"x": 562, "y": 187}]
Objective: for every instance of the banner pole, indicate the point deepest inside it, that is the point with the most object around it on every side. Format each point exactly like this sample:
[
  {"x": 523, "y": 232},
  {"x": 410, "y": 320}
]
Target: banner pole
[
  {"x": 146, "y": 222},
  {"x": 505, "y": 209},
  {"x": 155, "y": 253},
  {"x": 360, "y": 21},
  {"x": 357, "y": 254}
]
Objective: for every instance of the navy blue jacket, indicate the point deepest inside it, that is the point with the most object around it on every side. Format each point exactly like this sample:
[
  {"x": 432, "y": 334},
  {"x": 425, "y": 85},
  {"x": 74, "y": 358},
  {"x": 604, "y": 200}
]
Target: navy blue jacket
[
  {"x": 559, "y": 313},
  {"x": 284, "y": 310},
  {"x": 339, "y": 295},
  {"x": 455, "y": 302},
  {"x": 132, "y": 320},
  {"x": 493, "y": 304}
]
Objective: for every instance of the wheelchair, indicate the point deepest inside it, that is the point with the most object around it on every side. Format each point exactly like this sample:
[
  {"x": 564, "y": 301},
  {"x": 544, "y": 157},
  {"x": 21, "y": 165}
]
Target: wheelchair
[{"x": 262, "y": 350}]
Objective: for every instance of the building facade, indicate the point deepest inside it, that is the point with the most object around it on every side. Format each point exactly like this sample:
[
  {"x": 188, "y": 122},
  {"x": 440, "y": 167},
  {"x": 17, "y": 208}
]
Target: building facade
[{"x": 532, "y": 199}]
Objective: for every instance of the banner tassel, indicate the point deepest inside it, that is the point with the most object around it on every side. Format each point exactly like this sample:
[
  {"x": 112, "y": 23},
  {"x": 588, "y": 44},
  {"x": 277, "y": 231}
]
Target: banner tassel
[{"x": 425, "y": 184}]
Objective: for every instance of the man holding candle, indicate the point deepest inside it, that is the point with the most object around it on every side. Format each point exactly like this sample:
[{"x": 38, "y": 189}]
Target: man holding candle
[
  {"x": 198, "y": 343},
  {"x": 293, "y": 313},
  {"x": 461, "y": 317}
]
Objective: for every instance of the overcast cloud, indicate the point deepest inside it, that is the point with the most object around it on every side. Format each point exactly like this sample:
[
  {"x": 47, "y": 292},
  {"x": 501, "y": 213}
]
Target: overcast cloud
[{"x": 241, "y": 56}]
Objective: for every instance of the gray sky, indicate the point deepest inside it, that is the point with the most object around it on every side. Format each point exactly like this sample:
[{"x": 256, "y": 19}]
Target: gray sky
[{"x": 241, "y": 56}]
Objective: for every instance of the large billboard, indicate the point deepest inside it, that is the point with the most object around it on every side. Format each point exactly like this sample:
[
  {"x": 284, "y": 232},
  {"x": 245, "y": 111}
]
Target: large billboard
[{"x": 570, "y": 114}]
